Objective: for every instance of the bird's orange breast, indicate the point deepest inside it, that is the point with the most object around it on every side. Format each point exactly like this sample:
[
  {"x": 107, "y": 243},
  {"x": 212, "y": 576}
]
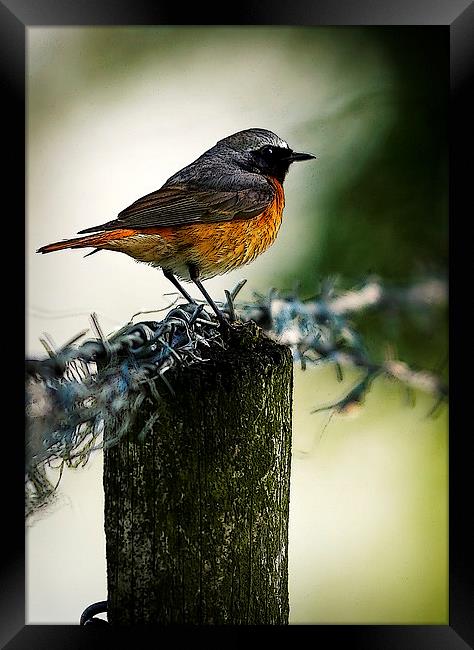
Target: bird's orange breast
[{"x": 215, "y": 248}]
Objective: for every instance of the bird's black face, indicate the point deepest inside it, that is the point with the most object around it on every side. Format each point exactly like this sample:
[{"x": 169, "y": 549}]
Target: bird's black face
[
  {"x": 275, "y": 161},
  {"x": 259, "y": 151}
]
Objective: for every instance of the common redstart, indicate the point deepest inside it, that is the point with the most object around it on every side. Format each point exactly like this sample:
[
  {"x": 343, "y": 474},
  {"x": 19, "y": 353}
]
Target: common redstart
[{"x": 216, "y": 214}]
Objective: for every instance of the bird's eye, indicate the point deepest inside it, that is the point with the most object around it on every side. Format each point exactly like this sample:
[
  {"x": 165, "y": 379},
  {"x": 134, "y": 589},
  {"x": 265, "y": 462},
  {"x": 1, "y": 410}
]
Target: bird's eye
[{"x": 267, "y": 151}]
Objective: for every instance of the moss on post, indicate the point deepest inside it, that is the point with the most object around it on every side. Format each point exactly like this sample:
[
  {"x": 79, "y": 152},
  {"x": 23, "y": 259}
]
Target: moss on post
[{"x": 196, "y": 514}]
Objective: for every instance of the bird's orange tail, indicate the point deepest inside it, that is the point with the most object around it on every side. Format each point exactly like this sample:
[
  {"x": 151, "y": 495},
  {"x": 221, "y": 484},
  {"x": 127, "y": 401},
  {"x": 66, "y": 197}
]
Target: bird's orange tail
[
  {"x": 98, "y": 240},
  {"x": 66, "y": 243}
]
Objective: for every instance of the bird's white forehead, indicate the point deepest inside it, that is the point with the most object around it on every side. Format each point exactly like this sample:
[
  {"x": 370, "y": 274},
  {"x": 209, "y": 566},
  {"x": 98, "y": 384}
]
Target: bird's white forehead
[
  {"x": 271, "y": 139},
  {"x": 251, "y": 139}
]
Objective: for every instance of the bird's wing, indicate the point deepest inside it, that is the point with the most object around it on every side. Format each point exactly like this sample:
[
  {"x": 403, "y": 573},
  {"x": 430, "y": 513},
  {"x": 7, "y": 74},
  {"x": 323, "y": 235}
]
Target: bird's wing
[{"x": 176, "y": 205}]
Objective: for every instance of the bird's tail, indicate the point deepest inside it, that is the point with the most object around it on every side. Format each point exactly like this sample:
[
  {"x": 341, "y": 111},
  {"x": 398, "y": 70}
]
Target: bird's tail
[{"x": 98, "y": 240}]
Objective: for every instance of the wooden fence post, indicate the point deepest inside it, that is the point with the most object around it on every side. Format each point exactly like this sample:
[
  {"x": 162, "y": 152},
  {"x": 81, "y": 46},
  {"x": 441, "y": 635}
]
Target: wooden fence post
[{"x": 196, "y": 514}]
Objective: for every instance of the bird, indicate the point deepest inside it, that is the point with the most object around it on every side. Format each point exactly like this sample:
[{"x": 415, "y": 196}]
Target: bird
[{"x": 212, "y": 216}]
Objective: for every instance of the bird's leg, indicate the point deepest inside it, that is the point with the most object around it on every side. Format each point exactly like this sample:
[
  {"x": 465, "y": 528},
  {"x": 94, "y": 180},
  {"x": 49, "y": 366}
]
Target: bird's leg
[
  {"x": 169, "y": 276},
  {"x": 194, "y": 275}
]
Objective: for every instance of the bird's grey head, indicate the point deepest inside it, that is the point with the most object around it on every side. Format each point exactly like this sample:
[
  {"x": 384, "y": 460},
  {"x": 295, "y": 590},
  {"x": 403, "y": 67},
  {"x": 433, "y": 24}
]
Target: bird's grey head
[
  {"x": 260, "y": 151},
  {"x": 253, "y": 139}
]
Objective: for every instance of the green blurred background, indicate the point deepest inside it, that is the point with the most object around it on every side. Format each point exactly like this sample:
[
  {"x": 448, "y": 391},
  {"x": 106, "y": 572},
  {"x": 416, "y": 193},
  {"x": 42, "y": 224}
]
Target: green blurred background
[{"x": 112, "y": 113}]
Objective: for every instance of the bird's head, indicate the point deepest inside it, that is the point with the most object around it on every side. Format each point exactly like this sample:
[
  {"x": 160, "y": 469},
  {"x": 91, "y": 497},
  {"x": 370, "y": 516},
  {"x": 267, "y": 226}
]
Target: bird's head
[{"x": 262, "y": 151}]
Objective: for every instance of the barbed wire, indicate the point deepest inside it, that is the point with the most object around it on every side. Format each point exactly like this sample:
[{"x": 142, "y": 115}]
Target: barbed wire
[
  {"x": 78, "y": 390},
  {"x": 319, "y": 330}
]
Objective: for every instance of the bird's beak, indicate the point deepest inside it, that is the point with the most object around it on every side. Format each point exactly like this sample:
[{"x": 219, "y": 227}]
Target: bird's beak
[{"x": 294, "y": 156}]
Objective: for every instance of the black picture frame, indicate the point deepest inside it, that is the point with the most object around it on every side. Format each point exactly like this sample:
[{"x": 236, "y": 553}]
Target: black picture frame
[{"x": 15, "y": 17}]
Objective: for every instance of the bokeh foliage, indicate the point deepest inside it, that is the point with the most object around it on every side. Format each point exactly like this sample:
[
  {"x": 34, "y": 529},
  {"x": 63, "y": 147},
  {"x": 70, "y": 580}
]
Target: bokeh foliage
[{"x": 387, "y": 213}]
